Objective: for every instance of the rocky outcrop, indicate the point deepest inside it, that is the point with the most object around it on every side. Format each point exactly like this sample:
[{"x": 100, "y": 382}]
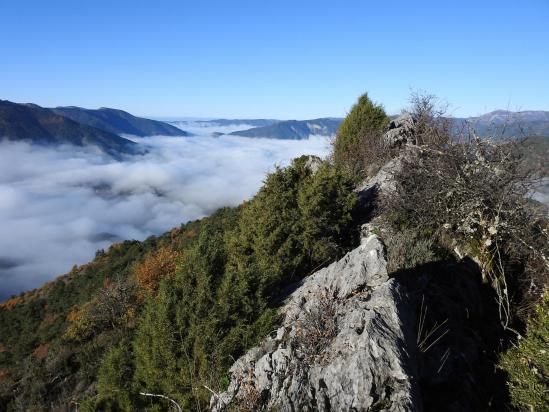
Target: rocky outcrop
[
  {"x": 399, "y": 138},
  {"x": 401, "y": 131},
  {"x": 346, "y": 343},
  {"x": 381, "y": 181},
  {"x": 354, "y": 339}
]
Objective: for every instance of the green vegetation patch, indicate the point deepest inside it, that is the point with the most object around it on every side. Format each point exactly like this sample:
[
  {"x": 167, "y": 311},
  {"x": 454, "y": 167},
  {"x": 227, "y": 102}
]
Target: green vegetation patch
[{"x": 528, "y": 363}]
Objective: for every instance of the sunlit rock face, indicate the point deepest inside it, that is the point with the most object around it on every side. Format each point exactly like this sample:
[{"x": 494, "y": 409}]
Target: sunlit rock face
[{"x": 346, "y": 343}]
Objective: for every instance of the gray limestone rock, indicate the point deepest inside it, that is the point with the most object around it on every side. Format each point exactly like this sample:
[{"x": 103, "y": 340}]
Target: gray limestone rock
[
  {"x": 401, "y": 131},
  {"x": 345, "y": 344}
]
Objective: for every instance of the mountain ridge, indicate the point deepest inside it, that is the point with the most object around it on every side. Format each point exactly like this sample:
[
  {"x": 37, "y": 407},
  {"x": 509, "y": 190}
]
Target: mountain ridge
[
  {"x": 497, "y": 123},
  {"x": 39, "y": 125},
  {"x": 294, "y": 129},
  {"x": 119, "y": 121}
]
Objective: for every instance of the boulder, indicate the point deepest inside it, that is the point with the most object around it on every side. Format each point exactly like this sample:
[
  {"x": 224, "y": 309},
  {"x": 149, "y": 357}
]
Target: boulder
[{"x": 401, "y": 131}]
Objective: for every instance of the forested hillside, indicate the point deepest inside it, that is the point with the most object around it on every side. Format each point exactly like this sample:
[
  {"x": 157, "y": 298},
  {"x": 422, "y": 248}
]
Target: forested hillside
[
  {"x": 119, "y": 122},
  {"x": 171, "y": 313},
  {"x": 158, "y": 324},
  {"x": 38, "y": 125}
]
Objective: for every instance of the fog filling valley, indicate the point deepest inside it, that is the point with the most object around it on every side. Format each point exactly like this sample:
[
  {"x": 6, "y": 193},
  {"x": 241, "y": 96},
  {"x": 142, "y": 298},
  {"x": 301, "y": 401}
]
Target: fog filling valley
[{"x": 59, "y": 205}]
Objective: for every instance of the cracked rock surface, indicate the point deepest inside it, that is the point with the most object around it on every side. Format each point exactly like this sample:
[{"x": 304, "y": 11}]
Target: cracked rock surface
[
  {"x": 401, "y": 131},
  {"x": 345, "y": 344}
]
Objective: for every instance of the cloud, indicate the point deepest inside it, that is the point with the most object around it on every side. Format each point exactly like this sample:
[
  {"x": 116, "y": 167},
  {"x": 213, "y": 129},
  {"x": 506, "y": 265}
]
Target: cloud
[{"x": 58, "y": 206}]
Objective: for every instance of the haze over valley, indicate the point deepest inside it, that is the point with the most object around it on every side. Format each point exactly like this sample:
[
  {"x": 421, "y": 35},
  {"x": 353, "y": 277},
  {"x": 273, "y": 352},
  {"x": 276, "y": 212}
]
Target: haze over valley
[
  {"x": 59, "y": 204},
  {"x": 126, "y": 177},
  {"x": 274, "y": 206}
]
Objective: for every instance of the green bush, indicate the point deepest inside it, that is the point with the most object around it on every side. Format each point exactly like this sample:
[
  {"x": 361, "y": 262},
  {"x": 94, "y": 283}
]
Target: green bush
[
  {"x": 407, "y": 249},
  {"x": 528, "y": 363},
  {"x": 115, "y": 373},
  {"x": 357, "y": 141},
  {"x": 223, "y": 298},
  {"x": 299, "y": 219}
]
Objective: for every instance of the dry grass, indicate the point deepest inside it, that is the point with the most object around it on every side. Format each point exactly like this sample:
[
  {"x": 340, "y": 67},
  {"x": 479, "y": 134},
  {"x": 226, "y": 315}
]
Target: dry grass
[{"x": 315, "y": 329}]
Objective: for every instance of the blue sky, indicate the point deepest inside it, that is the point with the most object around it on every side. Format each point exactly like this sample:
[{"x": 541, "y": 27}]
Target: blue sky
[{"x": 281, "y": 59}]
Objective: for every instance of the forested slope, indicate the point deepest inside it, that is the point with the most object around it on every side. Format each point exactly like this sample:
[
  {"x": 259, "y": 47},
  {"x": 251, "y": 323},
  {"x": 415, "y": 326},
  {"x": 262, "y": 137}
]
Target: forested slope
[{"x": 149, "y": 325}]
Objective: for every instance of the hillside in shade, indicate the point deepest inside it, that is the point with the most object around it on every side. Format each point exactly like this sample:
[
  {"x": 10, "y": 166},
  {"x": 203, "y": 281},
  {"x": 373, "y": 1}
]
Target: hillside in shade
[
  {"x": 119, "y": 122},
  {"x": 294, "y": 129},
  {"x": 35, "y": 124}
]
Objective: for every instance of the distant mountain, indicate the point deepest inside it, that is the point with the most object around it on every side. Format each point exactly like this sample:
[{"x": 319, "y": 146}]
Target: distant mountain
[
  {"x": 119, "y": 122},
  {"x": 507, "y": 124},
  {"x": 29, "y": 122},
  {"x": 236, "y": 122},
  {"x": 503, "y": 116},
  {"x": 497, "y": 124},
  {"x": 294, "y": 129}
]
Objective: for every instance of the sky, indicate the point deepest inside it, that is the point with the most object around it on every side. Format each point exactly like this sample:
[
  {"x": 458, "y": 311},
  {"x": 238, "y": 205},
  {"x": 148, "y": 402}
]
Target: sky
[{"x": 277, "y": 59}]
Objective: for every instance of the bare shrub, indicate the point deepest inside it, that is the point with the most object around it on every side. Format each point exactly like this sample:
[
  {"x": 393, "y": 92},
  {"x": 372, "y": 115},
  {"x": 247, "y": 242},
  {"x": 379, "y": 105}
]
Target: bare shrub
[
  {"x": 249, "y": 398},
  {"x": 114, "y": 307},
  {"x": 315, "y": 329},
  {"x": 433, "y": 127},
  {"x": 374, "y": 153},
  {"x": 477, "y": 191}
]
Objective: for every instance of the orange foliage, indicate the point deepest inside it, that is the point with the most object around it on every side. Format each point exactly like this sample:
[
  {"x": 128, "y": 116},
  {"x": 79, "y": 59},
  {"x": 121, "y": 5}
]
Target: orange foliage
[
  {"x": 11, "y": 303},
  {"x": 41, "y": 351},
  {"x": 72, "y": 315},
  {"x": 82, "y": 321},
  {"x": 108, "y": 284},
  {"x": 4, "y": 373},
  {"x": 155, "y": 266},
  {"x": 173, "y": 234},
  {"x": 2, "y": 348},
  {"x": 191, "y": 233}
]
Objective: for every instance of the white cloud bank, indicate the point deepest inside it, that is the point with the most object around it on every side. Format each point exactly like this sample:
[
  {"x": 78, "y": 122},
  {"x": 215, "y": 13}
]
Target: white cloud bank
[{"x": 58, "y": 206}]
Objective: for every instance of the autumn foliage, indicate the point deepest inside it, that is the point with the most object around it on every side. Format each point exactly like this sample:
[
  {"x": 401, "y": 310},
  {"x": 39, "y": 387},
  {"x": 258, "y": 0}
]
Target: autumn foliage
[
  {"x": 4, "y": 373},
  {"x": 11, "y": 303},
  {"x": 155, "y": 266},
  {"x": 113, "y": 308},
  {"x": 41, "y": 351}
]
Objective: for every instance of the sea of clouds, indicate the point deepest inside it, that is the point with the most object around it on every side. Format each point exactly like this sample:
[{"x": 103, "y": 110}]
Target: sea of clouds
[{"x": 59, "y": 205}]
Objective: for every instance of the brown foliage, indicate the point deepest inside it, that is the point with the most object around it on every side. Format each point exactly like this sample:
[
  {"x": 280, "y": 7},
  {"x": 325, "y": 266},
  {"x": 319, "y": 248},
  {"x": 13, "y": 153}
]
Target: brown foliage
[
  {"x": 113, "y": 308},
  {"x": 477, "y": 191},
  {"x": 190, "y": 234},
  {"x": 41, "y": 351},
  {"x": 4, "y": 374},
  {"x": 249, "y": 399},
  {"x": 155, "y": 266},
  {"x": 315, "y": 329},
  {"x": 11, "y": 303},
  {"x": 174, "y": 233}
]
